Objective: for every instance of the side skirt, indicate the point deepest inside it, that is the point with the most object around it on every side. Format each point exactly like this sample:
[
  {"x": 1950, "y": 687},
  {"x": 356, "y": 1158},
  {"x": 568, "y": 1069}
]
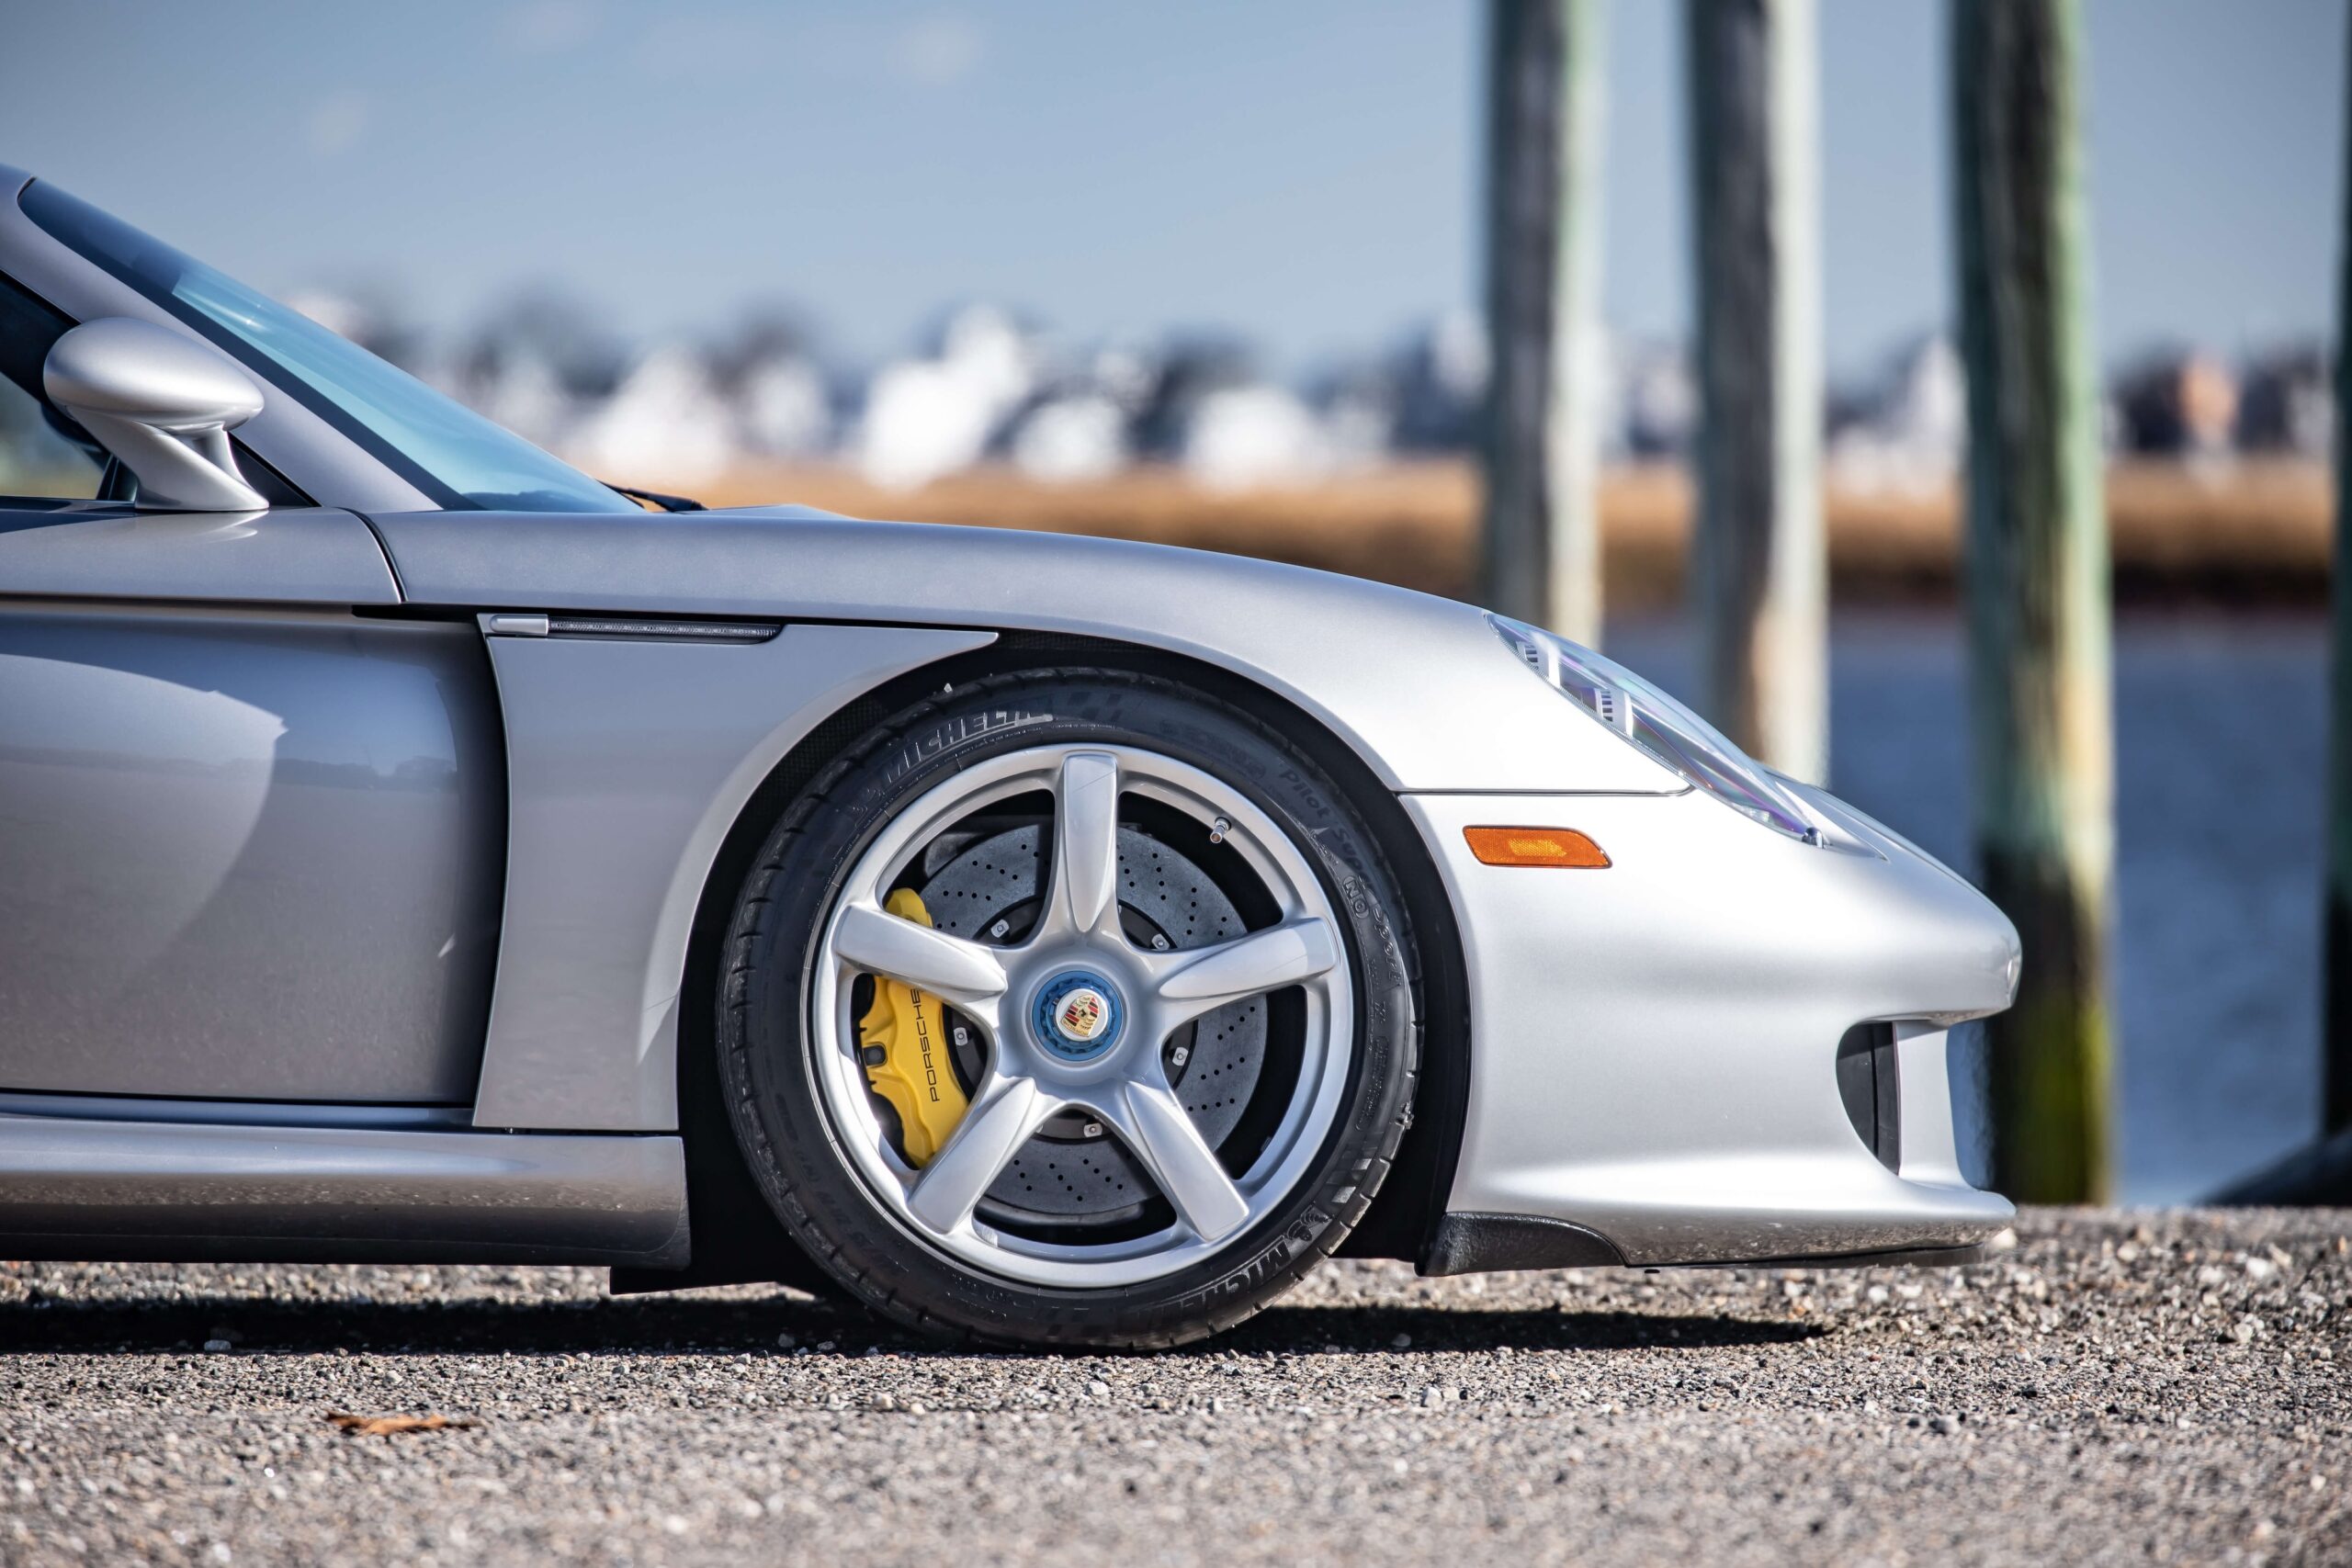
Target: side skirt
[{"x": 89, "y": 1190}]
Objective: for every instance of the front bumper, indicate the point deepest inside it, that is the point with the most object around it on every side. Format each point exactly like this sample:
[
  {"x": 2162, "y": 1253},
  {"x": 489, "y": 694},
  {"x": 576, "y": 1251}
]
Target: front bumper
[{"x": 1653, "y": 1046}]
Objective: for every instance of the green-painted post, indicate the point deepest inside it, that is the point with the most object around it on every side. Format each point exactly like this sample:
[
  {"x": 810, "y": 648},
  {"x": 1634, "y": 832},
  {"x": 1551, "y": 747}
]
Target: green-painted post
[{"x": 2039, "y": 619}]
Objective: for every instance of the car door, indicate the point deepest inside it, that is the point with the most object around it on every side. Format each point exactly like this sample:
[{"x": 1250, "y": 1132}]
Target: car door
[{"x": 252, "y": 818}]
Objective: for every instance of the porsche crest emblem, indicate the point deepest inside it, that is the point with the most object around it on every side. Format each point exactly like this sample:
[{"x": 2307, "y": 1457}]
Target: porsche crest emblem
[{"x": 1081, "y": 1014}]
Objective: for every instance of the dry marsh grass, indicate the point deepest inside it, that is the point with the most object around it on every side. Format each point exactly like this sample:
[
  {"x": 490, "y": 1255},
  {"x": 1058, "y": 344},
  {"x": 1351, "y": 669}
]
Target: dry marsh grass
[{"x": 2254, "y": 532}]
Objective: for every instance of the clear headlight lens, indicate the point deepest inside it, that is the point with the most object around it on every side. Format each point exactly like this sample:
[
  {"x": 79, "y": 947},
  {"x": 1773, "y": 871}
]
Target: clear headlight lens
[{"x": 1643, "y": 715}]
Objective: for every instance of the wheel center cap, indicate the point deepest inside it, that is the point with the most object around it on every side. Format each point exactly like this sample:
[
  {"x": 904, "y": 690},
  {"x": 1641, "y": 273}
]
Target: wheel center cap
[{"x": 1078, "y": 1016}]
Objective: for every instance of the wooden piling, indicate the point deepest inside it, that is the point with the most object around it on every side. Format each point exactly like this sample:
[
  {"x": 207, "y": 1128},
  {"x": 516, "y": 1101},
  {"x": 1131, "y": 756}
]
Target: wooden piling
[
  {"x": 2336, "y": 1047},
  {"x": 2039, "y": 631},
  {"x": 1760, "y": 577},
  {"x": 1541, "y": 559}
]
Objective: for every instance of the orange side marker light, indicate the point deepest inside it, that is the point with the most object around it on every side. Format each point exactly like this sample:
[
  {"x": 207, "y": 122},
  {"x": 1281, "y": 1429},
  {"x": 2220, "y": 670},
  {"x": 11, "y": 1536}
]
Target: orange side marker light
[{"x": 1535, "y": 846}]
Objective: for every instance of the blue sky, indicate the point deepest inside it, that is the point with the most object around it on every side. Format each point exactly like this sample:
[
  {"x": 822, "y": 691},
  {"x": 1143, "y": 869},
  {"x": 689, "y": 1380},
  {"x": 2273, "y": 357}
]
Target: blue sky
[{"x": 1303, "y": 170}]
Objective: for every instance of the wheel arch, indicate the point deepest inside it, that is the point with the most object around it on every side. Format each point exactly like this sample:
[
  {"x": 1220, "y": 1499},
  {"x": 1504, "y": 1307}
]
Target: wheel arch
[{"x": 736, "y": 1239}]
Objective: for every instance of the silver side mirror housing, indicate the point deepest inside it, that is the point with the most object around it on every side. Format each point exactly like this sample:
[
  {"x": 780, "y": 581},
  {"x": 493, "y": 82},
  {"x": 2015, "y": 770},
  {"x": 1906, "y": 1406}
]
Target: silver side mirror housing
[{"x": 164, "y": 404}]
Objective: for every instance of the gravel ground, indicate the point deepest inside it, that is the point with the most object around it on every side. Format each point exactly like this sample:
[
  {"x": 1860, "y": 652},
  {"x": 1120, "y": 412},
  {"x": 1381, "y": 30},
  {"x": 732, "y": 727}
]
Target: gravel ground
[{"x": 2160, "y": 1386}]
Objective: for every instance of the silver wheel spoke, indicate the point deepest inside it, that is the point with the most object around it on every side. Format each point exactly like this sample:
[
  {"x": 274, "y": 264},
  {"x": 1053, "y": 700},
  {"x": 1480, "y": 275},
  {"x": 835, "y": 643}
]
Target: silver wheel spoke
[
  {"x": 1192, "y": 983},
  {"x": 964, "y": 974},
  {"x": 1158, "y": 1131},
  {"x": 1086, "y": 844},
  {"x": 1001, "y": 1119}
]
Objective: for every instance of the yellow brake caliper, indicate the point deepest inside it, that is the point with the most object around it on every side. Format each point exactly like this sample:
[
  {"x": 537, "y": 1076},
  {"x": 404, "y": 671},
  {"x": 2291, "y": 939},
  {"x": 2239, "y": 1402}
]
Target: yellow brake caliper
[{"x": 904, "y": 1048}]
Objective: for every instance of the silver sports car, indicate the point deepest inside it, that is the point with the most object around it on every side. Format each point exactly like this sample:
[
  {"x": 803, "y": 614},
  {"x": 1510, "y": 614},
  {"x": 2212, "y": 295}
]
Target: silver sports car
[{"x": 412, "y": 849}]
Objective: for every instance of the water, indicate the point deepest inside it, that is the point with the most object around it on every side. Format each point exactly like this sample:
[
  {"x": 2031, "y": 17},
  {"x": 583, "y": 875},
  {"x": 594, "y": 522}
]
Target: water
[{"x": 2221, "y": 749}]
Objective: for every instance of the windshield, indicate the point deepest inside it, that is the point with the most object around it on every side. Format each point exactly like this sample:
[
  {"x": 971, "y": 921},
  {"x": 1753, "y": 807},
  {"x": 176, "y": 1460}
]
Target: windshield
[{"x": 442, "y": 447}]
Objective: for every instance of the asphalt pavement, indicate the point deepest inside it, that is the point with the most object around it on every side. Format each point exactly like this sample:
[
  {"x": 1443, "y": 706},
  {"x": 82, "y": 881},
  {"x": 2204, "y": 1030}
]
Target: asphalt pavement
[{"x": 2158, "y": 1387}]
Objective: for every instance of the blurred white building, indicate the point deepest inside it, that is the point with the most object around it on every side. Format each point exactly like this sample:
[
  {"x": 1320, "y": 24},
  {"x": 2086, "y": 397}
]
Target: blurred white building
[
  {"x": 1068, "y": 437},
  {"x": 925, "y": 418},
  {"x": 1904, "y": 431},
  {"x": 1083, "y": 424},
  {"x": 783, "y": 409},
  {"x": 665, "y": 422},
  {"x": 989, "y": 388},
  {"x": 1241, "y": 437}
]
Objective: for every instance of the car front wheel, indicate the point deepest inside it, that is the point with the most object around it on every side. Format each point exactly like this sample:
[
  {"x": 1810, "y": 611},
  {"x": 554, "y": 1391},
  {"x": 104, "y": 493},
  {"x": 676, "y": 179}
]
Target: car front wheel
[{"x": 1071, "y": 1007}]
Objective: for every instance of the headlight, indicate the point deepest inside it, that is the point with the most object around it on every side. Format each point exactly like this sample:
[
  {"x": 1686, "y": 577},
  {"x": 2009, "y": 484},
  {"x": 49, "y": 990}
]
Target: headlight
[{"x": 1641, "y": 715}]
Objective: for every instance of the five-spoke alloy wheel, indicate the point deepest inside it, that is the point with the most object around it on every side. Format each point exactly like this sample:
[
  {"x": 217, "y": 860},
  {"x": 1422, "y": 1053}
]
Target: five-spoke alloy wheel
[{"x": 1160, "y": 1041}]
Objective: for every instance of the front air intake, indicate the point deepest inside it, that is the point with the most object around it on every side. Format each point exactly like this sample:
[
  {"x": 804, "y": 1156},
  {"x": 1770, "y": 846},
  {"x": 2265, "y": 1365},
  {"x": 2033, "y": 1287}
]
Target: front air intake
[{"x": 1870, "y": 1086}]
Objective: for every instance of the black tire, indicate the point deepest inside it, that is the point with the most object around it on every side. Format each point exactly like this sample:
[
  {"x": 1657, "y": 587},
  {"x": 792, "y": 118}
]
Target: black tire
[{"x": 779, "y": 915}]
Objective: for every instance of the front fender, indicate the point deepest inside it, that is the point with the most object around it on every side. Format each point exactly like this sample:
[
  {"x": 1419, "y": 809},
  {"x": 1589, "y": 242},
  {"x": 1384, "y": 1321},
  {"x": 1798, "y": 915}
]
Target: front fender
[
  {"x": 1419, "y": 687},
  {"x": 627, "y": 762}
]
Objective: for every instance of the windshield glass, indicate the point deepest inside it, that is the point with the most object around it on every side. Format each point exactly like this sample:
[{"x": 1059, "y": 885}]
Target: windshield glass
[{"x": 439, "y": 446}]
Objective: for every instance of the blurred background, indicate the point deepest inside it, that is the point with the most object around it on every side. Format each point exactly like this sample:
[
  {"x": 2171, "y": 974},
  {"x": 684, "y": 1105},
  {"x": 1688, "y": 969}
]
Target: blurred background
[{"x": 1219, "y": 274}]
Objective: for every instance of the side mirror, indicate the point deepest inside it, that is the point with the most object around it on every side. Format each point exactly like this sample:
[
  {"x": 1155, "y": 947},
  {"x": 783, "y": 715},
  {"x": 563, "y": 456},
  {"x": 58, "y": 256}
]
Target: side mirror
[{"x": 164, "y": 404}]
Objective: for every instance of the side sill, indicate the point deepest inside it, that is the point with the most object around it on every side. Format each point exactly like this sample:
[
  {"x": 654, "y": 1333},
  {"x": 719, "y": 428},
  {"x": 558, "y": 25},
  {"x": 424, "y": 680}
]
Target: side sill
[
  {"x": 1483, "y": 1244},
  {"x": 91, "y": 1190}
]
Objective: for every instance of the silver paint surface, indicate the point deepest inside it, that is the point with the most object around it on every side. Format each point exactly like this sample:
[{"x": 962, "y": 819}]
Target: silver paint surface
[
  {"x": 103, "y": 549},
  {"x": 188, "y": 1191},
  {"x": 1420, "y": 687},
  {"x": 627, "y": 762},
  {"x": 253, "y": 856},
  {"x": 1654, "y": 1045}
]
